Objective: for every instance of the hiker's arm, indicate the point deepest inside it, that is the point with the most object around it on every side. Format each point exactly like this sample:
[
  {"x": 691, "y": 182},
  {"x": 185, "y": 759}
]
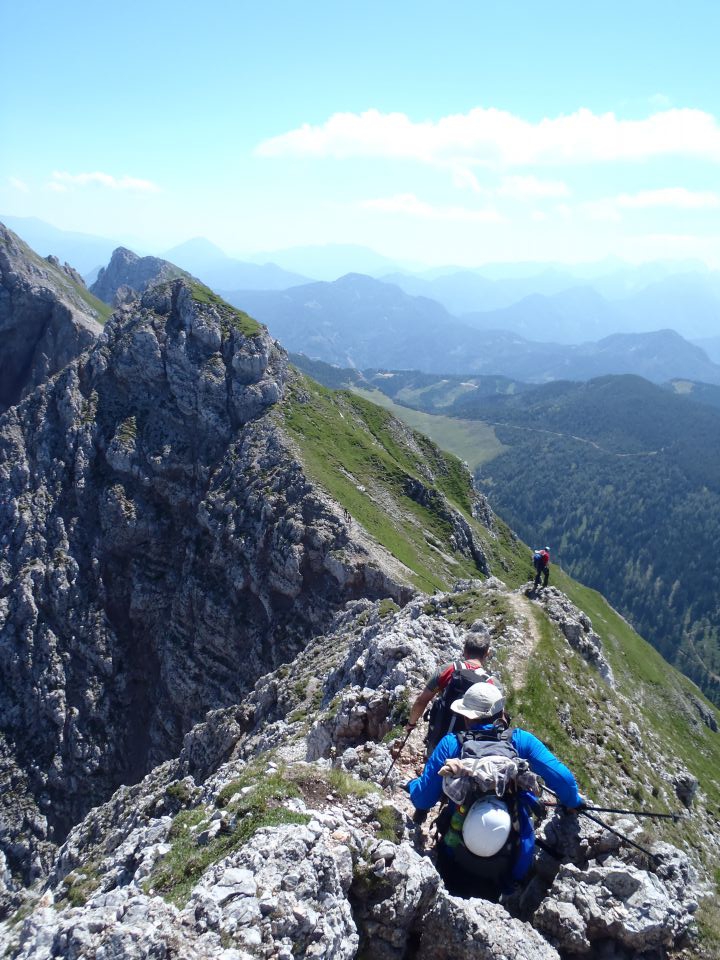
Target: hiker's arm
[
  {"x": 426, "y": 790},
  {"x": 555, "y": 774},
  {"x": 418, "y": 708}
]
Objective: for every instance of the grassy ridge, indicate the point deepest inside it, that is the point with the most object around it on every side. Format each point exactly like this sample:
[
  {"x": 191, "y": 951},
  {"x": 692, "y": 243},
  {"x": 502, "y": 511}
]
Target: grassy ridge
[
  {"x": 364, "y": 459},
  {"x": 470, "y": 440}
]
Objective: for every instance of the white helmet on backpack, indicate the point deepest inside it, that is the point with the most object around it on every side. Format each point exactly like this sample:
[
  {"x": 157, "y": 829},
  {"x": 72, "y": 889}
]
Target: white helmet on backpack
[{"x": 486, "y": 827}]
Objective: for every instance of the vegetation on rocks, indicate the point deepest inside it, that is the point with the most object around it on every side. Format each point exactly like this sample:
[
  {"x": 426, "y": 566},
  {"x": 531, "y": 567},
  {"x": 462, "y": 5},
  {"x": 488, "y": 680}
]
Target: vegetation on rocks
[
  {"x": 230, "y": 317},
  {"x": 365, "y": 460}
]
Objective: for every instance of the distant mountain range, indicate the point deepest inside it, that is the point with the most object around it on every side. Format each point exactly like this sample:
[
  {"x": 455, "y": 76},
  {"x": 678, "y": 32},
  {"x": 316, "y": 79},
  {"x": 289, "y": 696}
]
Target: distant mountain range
[
  {"x": 84, "y": 252},
  {"x": 219, "y": 271},
  {"x": 357, "y": 321},
  {"x": 531, "y": 334},
  {"x": 688, "y": 303},
  {"x": 331, "y": 261}
]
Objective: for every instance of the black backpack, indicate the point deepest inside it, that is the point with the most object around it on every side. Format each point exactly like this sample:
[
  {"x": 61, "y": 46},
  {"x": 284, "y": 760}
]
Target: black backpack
[{"x": 441, "y": 719}]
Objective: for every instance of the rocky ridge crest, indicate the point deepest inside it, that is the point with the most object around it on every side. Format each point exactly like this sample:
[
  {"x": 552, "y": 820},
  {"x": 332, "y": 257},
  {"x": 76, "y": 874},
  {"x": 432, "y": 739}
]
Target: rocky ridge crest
[
  {"x": 47, "y": 318},
  {"x": 270, "y": 834},
  {"x": 128, "y": 276}
]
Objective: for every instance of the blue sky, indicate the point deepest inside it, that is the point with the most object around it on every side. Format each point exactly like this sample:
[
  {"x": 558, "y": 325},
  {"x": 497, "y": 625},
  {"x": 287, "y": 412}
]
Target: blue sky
[{"x": 454, "y": 133}]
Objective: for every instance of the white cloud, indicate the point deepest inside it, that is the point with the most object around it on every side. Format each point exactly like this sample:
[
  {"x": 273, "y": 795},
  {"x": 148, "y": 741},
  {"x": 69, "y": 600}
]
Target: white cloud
[
  {"x": 532, "y": 188},
  {"x": 62, "y": 181},
  {"x": 17, "y": 184},
  {"x": 676, "y": 198},
  {"x": 409, "y": 205},
  {"x": 513, "y": 188},
  {"x": 495, "y": 138}
]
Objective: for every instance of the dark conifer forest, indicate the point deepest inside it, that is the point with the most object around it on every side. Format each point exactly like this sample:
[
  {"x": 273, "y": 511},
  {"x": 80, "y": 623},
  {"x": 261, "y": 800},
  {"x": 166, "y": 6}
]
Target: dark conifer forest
[{"x": 622, "y": 480}]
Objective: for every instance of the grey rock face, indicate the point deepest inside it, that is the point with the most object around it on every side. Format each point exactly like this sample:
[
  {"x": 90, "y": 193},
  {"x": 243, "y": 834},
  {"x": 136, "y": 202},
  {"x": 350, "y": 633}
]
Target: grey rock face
[
  {"x": 576, "y": 628},
  {"x": 462, "y": 537},
  {"x": 128, "y": 275},
  {"x": 160, "y": 549},
  {"x": 640, "y": 911},
  {"x": 352, "y": 876},
  {"x": 44, "y": 320}
]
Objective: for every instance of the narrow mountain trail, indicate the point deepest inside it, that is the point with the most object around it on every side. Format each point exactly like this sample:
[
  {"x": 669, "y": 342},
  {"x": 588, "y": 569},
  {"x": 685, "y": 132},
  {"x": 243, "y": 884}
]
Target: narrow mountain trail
[
  {"x": 572, "y": 436},
  {"x": 519, "y": 642},
  {"x": 519, "y": 654}
]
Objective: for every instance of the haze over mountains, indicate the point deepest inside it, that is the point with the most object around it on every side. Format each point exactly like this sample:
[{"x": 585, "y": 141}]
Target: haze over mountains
[
  {"x": 357, "y": 321},
  {"x": 565, "y": 303}
]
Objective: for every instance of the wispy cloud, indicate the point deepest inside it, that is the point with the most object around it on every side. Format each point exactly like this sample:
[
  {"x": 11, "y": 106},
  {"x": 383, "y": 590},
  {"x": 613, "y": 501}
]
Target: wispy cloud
[
  {"x": 677, "y": 198},
  {"x": 17, "y": 184},
  {"x": 60, "y": 182},
  {"x": 409, "y": 205},
  {"x": 512, "y": 188},
  {"x": 532, "y": 188},
  {"x": 496, "y": 138}
]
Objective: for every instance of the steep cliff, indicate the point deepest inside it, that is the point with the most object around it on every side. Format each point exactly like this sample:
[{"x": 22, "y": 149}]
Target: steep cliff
[
  {"x": 163, "y": 545},
  {"x": 47, "y": 317}
]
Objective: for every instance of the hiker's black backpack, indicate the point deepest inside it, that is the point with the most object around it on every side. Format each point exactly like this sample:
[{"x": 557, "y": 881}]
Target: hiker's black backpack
[
  {"x": 441, "y": 719},
  {"x": 496, "y": 869}
]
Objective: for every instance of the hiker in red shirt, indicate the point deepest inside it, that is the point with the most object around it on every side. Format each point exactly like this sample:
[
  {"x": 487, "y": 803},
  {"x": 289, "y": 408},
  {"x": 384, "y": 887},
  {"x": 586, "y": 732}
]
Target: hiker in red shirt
[
  {"x": 450, "y": 681},
  {"x": 541, "y": 562}
]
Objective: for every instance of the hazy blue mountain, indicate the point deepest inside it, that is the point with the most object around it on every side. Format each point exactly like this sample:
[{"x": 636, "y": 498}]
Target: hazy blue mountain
[
  {"x": 330, "y": 261},
  {"x": 711, "y": 346},
  {"x": 219, "y": 271},
  {"x": 467, "y": 291},
  {"x": 83, "y": 251},
  {"x": 689, "y": 303},
  {"x": 357, "y": 321},
  {"x": 626, "y": 279},
  {"x": 360, "y": 322},
  {"x": 571, "y": 316}
]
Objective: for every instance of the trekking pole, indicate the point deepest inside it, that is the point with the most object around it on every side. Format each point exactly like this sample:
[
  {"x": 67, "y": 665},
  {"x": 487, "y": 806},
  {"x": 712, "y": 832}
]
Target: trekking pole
[
  {"x": 399, "y": 750},
  {"x": 622, "y": 836},
  {"x": 635, "y": 813},
  {"x": 638, "y": 813}
]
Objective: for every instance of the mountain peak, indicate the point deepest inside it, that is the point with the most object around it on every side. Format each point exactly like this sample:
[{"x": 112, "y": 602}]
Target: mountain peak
[{"x": 47, "y": 317}]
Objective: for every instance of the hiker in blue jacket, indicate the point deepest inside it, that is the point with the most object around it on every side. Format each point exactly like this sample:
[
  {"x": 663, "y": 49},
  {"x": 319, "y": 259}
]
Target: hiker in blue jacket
[{"x": 488, "y": 843}]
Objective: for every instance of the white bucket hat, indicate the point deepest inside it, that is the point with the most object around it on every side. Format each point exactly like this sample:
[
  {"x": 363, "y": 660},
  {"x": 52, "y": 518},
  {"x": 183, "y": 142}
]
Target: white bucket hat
[{"x": 480, "y": 700}]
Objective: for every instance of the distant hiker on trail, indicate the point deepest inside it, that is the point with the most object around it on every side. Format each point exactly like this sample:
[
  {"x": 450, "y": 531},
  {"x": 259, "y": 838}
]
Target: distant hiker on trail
[
  {"x": 346, "y": 514},
  {"x": 541, "y": 562},
  {"x": 487, "y": 837},
  {"x": 450, "y": 681}
]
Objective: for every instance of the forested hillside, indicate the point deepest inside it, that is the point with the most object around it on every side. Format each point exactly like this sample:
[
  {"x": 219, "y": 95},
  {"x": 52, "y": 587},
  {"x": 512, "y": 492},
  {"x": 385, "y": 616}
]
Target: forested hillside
[{"x": 622, "y": 479}]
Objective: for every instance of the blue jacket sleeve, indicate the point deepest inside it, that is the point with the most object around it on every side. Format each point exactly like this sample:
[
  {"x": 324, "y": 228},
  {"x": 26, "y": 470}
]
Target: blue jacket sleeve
[
  {"x": 426, "y": 790},
  {"x": 555, "y": 774}
]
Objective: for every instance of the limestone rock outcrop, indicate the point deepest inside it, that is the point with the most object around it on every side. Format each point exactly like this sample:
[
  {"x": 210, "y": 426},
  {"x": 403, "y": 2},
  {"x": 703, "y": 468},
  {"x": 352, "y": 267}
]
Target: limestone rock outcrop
[
  {"x": 127, "y": 276},
  {"x": 244, "y": 846},
  {"x": 160, "y": 548},
  {"x": 46, "y": 318}
]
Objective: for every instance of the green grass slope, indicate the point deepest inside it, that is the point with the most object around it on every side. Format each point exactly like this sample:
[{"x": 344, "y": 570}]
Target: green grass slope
[{"x": 364, "y": 458}]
